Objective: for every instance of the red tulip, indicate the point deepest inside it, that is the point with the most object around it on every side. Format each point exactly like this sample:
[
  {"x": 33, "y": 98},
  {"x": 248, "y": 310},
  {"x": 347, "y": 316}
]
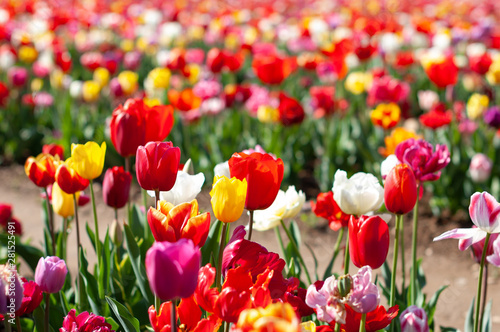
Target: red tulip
[
  {"x": 4, "y": 94},
  {"x": 68, "y": 179},
  {"x": 54, "y": 150},
  {"x": 443, "y": 73},
  {"x": 156, "y": 165},
  {"x": 272, "y": 69},
  {"x": 33, "y": 296},
  {"x": 128, "y": 127},
  {"x": 263, "y": 173},
  {"x": 290, "y": 111},
  {"x": 480, "y": 63},
  {"x": 116, "y": 187},
  {"x": 400, "y": 189},
  {"x": 368, "y": 241},
  {"x": 41, "y": 170},
  {"x": 159, "y": 122},
  {"x": 326, "y": 207},
  {"x": 215, "y": 60}
]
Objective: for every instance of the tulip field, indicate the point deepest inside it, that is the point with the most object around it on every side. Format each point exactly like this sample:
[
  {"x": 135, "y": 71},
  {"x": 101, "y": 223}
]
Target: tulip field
[{"x": 161, "y": 139}]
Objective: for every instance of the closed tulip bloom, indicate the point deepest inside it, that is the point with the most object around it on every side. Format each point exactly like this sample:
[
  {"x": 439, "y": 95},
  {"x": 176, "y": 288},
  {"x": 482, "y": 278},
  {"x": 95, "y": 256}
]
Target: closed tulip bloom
[
  {"x": 88, "y": 159},
  {"x": 62, "y": 203},
  {"x": 128, "y": 127},
  {"x": 360, "y": 194},
  {"x": 116, "y": 187},
  {"x": 50, "y": 274},
  {"x": 171, "y": 223},
  {"x": 172, "y": 269},
  {"x": 263, "y": 174},
  {"x": 228, "y": 198},
  {"x": 414, "y": 319},
  {"x": 368, "y": 241},
  {"x": 41, "y": 170},
  {"x": 68, "y": 179},
  {"x": 400, "y": 189},
  {"x": 156, "y": 165},
  {"x": 54, "y": 150},
  {"x": 159, "y": 122},
  {"x": 480, "y": 168}
]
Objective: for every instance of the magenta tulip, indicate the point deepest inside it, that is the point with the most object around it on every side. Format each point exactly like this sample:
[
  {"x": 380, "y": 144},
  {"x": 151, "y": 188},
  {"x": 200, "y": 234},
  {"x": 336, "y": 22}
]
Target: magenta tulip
[
  {"x": 172, "y": 269},
  {"x": 116, "y": 187},
  {"x": 50, "y": 274},
  {"x": 414, "y": 319},
  {"x": 156, "y": 165},
  {"x": 368, "y": 241}
]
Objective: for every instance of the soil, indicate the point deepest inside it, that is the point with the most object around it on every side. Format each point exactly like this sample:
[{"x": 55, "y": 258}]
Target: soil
[{"x": 443, "y": 263}]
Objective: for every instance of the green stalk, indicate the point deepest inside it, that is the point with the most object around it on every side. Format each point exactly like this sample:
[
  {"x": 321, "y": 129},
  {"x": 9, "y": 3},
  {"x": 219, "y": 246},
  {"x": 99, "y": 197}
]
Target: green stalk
[
  {"x": 173, "y": 317},
  {"x": 362, "y": 323},
  {"x": 477, "y": 326},
  {"x": 51, "y": 221},
  {"x": 78, "y": 245},
  {"x": 47, "y": 307},
  {"x": 64, "y": 251},
  {"x": 145, "y": 202},
  {"x": 8, "y": 328},
  {"x": 413, "y": 290},
  {"x": 402, "y": 239},
  {"x": 294, "y": 246},
  {"x": 250, "y": 225},
  {"x": 347, "y": 259},
  {"x": 336, "y": 251},
  {"x": 18, "y": 324},
  {"x": 392, "y": 300},
  {"x": 116, "y": 214},
  {"x": 218, "y": 272},
  {"x": 129, "y": 208},
  {"x": 157, "y": 305},
  {"x": 280, "y": 240},
  {"x": 97, "y": 241}
]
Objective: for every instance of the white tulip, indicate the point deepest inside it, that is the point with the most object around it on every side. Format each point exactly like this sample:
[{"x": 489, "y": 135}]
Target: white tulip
[
  {"x": 359, "y": 195},
  {"x": 222, "y": 169},
  {"x": 389, "y": 163},
  {"x": 185, "y": 189},
  {"x": 294, "y": 202}
]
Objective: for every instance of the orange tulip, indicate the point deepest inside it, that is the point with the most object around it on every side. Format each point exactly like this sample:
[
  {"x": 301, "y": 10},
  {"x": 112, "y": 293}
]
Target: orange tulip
[
  {"x": 171, "y": 223},
  {"x": 41, "y": 170},
  {"x": 184, "y": 100}
]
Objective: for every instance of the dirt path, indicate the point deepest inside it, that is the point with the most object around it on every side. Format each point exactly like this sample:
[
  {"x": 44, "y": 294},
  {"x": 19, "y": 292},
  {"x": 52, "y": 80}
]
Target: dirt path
[{"x": 443, "y": 263}]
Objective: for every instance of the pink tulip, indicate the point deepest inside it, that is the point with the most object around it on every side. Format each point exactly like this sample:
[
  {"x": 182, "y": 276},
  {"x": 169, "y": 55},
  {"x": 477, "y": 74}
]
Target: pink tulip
[
  {"x": 414, "y": 319},
  {"x": 172, "y": 269},
  {"x": 50, "y": 274},
  {"x": 480, "y": 168},
  {"x": 494, "y": 258},
  {"x": 365, "y": 296}
]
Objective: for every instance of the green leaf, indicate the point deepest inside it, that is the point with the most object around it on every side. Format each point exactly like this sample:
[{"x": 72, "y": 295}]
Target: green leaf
[
  {"x": 128, "y": 322},
  {"x": 315, "y": 261},
  {"x": 90, "y": 283},
  {"x": 138, "y": 220},
  {"x": 39, "y": 318},
  {"x": 104, "y": 273},
  {"x": 430, "y": 308},
  {"x": 487, "y": 325},
  {"x": 469, "y": 321},
  {"x": 211, "y": 246},
  {"x": 91, "y": 234},
  {"x": 295, "y": 231},
  {"x": 137, "y": 263}
]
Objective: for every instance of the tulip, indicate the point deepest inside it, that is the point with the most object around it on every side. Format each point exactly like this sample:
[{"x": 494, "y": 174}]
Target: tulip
[
  {"x": 326, "y": 207},
  {"x": 386, "y": 116},
  {"x": 62, "y": 203},
  {"x": 360, "y": 194},
  {"x": 277, "y": 317},
  {"x": 271, "y": 69},
  {"x": 290, "y": 111},
  {"x": 327, "y": 301},
  {"x": 5, "y": 213},
  {"x": 358, "y": 82},
  {"x": 228, "y": 198},
  {"x": 477, "y": 106},
  {"x": 494, "y": 257},
  {"x": 54, "y": 150},
  {"x": 88, "y": 159},
  {"x": 68, "y": 179},
  {"x": 33, "y": 296},
  {"x": 50, "y": 274},
  {"x": 41, "y": 170},
  {"x": 443, "y": 73},
  {"x": 156, "y": 165},
  {"x": 90, "y": 91},
  {"x": 116, "y": 187},
  {"x": 480, "y": 168},
  {"x": 400, "y": 190},
  {"x": 397, "y": 136},
  {"x": 17, "y": 76},
  {"x": 128, "y": 127},
  {"x": 368, "y": 241},
  {"x": 171, "y": 223},
  {"x": 159, "y": 122},
  {"x": 263, "y": 174},
  {"x": 365, "y": 296},
  {"x": 172, "y": 269},
  {"x": 184, "y": 100},
  {"x": 414, "y": 319},
  {"x": 128, "y": 81},
  {"x": 492, "y": 117},
  {"x": 185, "y": 189},
  {"x": 85, "y": 322},
  {"x": 9, "y": 279}
]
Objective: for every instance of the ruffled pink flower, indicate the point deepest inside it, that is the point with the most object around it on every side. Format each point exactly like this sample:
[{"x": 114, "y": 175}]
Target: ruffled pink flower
[
  {"x": 484, "y": 211},
  {"x": 365, "y": 296},
  {"x": 327, "y": 301},
  {"x": 84, "y": 322},
  {"x": 423, "y": 160}
]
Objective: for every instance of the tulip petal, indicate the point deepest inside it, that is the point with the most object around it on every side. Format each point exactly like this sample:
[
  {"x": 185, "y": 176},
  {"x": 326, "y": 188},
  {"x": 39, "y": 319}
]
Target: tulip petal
[
  {"x": 482, "y": 208},
  {"x": 196, "y": 229},
  {"x": 473, "y": 235}
]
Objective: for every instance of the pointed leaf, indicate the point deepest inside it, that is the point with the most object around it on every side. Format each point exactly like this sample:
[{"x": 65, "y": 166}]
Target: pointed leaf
[{"x": 127, "y": 321}]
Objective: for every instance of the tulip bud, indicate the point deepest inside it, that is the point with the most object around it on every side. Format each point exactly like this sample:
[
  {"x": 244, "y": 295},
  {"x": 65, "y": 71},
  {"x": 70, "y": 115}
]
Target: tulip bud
[
  {"x": 368, "y": 241},
  {"x": 344, "y": 285},
  {"x": 414, "y": 319},
  {"x": 50, "y": 274},
  {"x": 480, "y": 168},
  {"x": 156, "y": 165},
  {"x": 116, "y": 233},
  {"x": 228, "y": 198},
  {"x": 116, "y": 187},
  {"x": 172, "y": 269},
  {"x": 400, "y": 189}
]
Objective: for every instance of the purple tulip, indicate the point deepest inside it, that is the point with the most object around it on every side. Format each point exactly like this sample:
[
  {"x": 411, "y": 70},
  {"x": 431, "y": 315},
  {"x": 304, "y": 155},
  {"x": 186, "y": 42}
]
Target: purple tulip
[
  {"x": 414, "y": 319},
  {"x": 11, "y": 290},
  {"x": 50, "y": 274},
  {"x": 365, "y": 296},
  {"x": 492, "y": 117},
  {"x": 172, "y": 269},
  {"x": 423, "y": 160}
]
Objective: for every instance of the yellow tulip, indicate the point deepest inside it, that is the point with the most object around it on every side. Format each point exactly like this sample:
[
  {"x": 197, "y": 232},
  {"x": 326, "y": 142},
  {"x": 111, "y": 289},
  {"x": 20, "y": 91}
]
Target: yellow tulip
[
  {"x": 88, "y": 159},
  {"x": 128, "y": 81},
  {"x": 90, "y": 91},
  {"x": 56, "y": 79},
  {"x": 267, "y": 114},
  {"x": 278, "y": 317},
  {"x": 228, "y": 198},
  {"x": 358, "y": 82},
  {"x": 493, "y": 74},
  {"x": 27, "y": 54},
  {"x": 160, "y": 77},
  {"x": 477, "y": 105},
  {"x": 62, "y": 203},
  {"x": 101, "y": 76},
  {"x": 36, "y": 84}
]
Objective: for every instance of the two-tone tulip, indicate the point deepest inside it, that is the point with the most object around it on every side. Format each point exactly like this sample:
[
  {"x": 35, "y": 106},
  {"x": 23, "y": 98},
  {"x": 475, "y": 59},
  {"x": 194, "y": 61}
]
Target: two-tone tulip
[
  {"x": 41, "y": 170},
  {"x": 68, "y": 179}
]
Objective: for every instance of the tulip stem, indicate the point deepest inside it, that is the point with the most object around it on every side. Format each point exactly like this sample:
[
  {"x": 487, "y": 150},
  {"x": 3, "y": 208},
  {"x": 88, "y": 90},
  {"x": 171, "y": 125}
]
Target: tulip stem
[
  {"x": 485, "y": 291},
  {"x": 47, "y": 307},
  {"x": 173, "y": 317},
  {"x": 413, "y": 284},
  {"x": 8, "y": 328},
  {"x": 51, "y": 221},
  {"x": 336, "y": 250},
  {"x": 116, "y": 214},
  {"x": 392, "y": 299},
  {"x": 347, "y": 259},
  {"x": 402, "y": 239},
  {"x": 477, "y": 326},
  {"x": 127, "y": 169},
  {"x": 157, "y": 305},
  {"x": 145, "y": 202},
  {"x": 64, "y": 250},
  {"x": 297, "y": 252},
  {"x": 337, "y": 327},
  {"x": 77, "y": 225},
  {"x": 362, "y": 323},
  {"x": 218, "y": 281},
  {"x": 18, "y": 324},
  {"x": 97, "y": 241},
  {"x": 250, "y": 225}
]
